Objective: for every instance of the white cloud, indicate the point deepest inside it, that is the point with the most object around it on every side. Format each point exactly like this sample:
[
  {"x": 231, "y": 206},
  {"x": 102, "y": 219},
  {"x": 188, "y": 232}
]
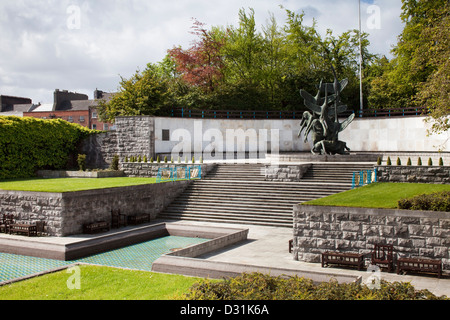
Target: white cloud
[{"x": 41, "y": 52}]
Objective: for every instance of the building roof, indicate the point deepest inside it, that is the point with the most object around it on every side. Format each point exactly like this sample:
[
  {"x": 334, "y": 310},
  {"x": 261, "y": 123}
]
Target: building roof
[{"x": 45, "y": 107}]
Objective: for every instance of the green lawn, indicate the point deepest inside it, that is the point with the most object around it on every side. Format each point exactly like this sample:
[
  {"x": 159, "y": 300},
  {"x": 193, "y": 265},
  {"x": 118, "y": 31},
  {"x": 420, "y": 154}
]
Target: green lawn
[
  {"x": 71, "y": 184},
  {"x": 378, "y": 195},
  {"x": 100, "y": 283}
]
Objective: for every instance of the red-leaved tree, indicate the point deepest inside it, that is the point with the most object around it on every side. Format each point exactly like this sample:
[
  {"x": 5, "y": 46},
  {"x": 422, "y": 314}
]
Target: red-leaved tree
[{"x": 202, "y": 64}]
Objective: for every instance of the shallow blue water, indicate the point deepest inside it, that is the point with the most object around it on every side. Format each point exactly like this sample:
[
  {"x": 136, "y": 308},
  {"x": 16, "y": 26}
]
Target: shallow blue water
[{"x": 139, "y": 256}]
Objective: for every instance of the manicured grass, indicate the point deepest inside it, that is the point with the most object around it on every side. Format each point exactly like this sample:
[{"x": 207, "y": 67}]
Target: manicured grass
[
  {"x": 71, "y": 184},
  {"x": 100, "y": 283},
  {"x": 378, "y": 195}
]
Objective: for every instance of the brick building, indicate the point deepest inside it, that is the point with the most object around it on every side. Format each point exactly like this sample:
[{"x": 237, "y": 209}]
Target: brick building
[
  {"x": 73, "y": 107},
  {"x": 14, "y": 106}
]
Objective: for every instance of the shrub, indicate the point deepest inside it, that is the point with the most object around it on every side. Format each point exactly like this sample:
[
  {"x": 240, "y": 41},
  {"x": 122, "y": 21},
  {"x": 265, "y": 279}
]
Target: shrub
[
  {"x": 399, "y": 162},
  {"x": 158, "y": 160},
  {"x": 438, "y": 201},
  {"x": 419, "y": 161},
  {"x": 408, "y": 163},
  {"x": 81, "y": 160},
  {"x": 115, "y": 163},
  {"x": 165, "y": 159},
  {"x": 441, "y": 162},
  {"x": 257, "y": 286},
  {"x": 379, "y": 161},
  {"x": 139, "y": 159},
  {"x": 430, "y": 162},
  {"x": 30, "y": 144},
  {"x": 388, "y": 162},
  {"x": 145, "y": 158}
]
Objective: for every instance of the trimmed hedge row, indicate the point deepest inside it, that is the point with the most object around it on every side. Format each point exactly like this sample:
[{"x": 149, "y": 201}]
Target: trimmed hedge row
[
  {"x": 257, "y": 286},
  {"x": 438, "y": 201},
  {"x": 29, "y": 144}
]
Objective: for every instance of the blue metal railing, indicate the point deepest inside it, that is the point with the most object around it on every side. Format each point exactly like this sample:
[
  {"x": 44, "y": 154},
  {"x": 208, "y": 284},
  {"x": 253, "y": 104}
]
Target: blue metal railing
[
  {"x": 179, "y": 173},
  {"x": 363, "y": 177},
  {"x": 276, "y": 114}
]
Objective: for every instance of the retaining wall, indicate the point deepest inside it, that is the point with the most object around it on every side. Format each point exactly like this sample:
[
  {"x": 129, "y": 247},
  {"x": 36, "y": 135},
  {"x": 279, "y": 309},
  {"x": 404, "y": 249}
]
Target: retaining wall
[
  {"x": 65, "y": 213},
  {"x": 413, "y": 233},
  {"x": 133, "y": 136},
  {"x": 418, "y": 174}
]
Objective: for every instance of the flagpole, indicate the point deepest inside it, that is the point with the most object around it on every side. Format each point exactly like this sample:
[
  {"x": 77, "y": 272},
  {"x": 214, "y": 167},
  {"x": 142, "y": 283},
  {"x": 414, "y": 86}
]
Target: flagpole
[{"x": 360, "y": 63}]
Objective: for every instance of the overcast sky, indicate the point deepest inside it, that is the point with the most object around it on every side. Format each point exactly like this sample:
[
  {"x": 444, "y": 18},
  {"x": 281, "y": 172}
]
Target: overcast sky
[{"x": 81, "y": 45}]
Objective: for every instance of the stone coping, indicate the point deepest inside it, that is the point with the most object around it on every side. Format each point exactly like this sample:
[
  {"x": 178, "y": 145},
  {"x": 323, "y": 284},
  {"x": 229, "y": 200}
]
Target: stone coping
[
  {"x": 378, "y": 211},
  {"x": 218, "y": 270},
  {"x": 79, "y": 174}
]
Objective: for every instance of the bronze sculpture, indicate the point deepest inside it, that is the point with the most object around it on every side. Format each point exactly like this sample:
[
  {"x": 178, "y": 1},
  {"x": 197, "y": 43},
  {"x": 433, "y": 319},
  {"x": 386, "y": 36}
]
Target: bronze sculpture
[{"x": 323, "y": 121}]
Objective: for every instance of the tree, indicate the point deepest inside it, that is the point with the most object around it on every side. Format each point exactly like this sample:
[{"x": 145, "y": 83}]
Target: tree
[
  {"x": 144, "y": 93},
  {"x": 202, "y": 64},
  {"x": 417, "y": 76},
  {"x": 433, "y": 54}
]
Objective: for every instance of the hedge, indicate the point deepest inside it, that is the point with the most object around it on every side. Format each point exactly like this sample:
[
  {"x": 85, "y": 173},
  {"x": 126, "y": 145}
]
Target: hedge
[
  {"x": 29, "y": 144},
  {"x": 438, "y": 201},
  {"x": 258, "y": 286}
]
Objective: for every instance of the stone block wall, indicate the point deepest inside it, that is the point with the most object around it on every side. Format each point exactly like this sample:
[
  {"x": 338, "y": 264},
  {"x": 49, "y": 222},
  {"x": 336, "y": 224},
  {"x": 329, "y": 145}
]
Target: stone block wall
[
  {"x": 413, "y": 233},
  {"x": 286, "y": 173},
  {"x": 418, "y": 174},
  {"x": 133, "y": 136},
  {"x": 65, "y": 213}
]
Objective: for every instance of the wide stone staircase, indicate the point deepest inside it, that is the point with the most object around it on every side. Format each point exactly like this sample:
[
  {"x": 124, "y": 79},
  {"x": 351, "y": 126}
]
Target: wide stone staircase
[
  {"x": 334, "y": 172},
  {"x": 237, "y": 193}
]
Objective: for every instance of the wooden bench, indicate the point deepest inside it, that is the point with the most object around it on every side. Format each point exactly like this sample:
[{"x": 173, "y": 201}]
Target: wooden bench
[
  {"x": 25, "y": 229},
  {"x": 340, "y": 258},
  {"x": 383, "y": 255},
  {"x": 419, "y": 265},
  {"x": 134, "y": 220},
  {"x": 96, "y": 227}
]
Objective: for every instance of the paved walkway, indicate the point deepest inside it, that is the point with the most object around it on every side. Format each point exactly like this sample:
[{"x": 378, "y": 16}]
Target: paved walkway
[{"x": 268, "y": 247}]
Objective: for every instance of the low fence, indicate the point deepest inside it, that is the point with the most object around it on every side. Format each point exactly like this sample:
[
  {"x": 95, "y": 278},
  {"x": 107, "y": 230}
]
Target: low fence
[{"x": 179, "y": 173}]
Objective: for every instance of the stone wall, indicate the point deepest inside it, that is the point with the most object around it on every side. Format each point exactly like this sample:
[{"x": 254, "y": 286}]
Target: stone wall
[
  {"x": 65, "y": 213},
  {"x": 133, "y": 136},
  {"x": 286, "y": 173},
  {"x": 417, "y": 174},
  {"x": 413, "y": 233}
]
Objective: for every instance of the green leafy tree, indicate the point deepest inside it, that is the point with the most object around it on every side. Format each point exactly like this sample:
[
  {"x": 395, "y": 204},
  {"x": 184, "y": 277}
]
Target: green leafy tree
[
  {"x": 145, "y": 93},
  {"x": 417, "y": 76}
]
